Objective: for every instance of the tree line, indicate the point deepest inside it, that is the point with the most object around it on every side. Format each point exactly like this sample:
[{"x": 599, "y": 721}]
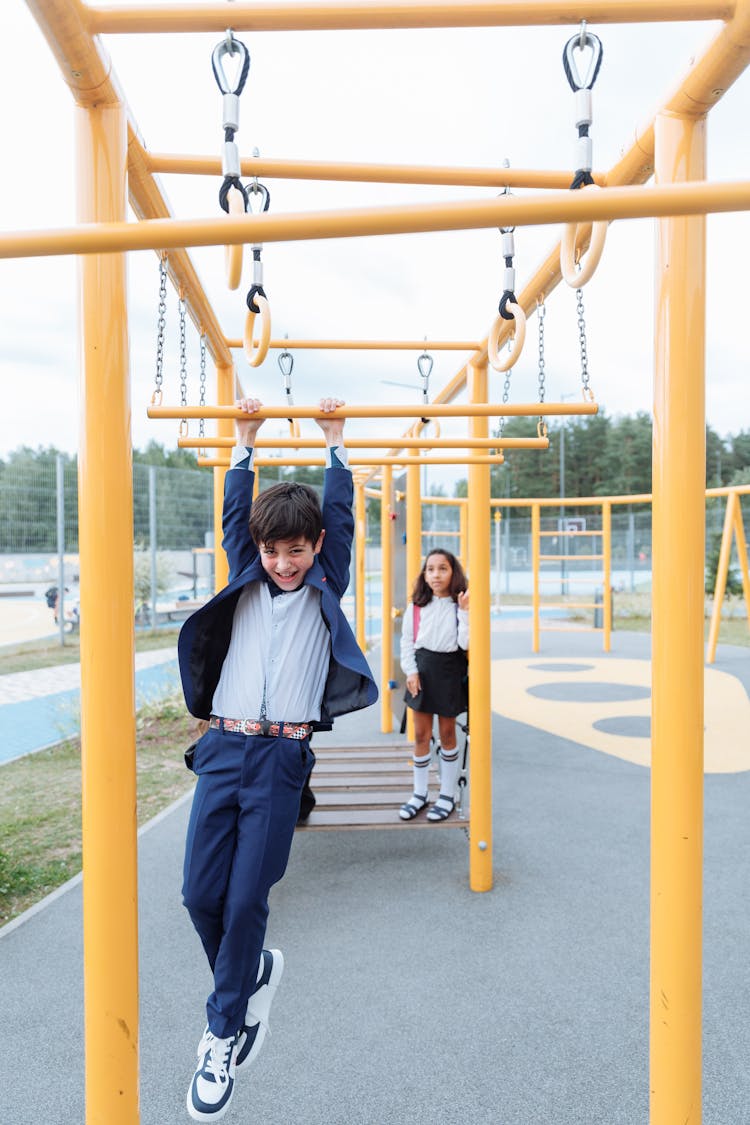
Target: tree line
[
  {"x": 28, "y": 499},
  {"x": 602, "y": 456}
]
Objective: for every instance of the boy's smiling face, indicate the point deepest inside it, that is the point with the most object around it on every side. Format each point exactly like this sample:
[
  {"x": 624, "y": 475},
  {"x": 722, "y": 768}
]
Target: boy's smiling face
[{"x": 287, "y": 561}]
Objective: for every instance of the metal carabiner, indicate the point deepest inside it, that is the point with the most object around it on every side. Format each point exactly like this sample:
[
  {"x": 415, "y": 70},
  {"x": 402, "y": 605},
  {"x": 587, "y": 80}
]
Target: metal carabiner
[
  {"x": 256, "y": 188},
  {"x": 286, "y": 363},
  {"x": 424, "y": 364},
  {"x": 579, "y": 43},
  {"x": 230, "y": 46}
]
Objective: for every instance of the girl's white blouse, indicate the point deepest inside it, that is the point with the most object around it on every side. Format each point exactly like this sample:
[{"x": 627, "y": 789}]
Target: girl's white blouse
[{"x": 443, "y": 627}]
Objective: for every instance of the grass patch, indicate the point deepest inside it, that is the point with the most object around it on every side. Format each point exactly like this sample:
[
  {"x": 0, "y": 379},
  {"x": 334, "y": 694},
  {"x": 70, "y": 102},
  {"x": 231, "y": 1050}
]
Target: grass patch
[
  {"x": 40, "y": 804},
  {"x": 731, "y": 632},
  {"x": 48, "y": 653}
]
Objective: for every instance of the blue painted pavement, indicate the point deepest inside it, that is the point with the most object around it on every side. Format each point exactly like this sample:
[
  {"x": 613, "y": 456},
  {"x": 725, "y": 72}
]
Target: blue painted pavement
[{"x": 32, "y": 723}]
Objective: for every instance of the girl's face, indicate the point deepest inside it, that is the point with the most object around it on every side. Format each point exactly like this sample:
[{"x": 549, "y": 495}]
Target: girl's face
[{"x": 438, "y": 574}]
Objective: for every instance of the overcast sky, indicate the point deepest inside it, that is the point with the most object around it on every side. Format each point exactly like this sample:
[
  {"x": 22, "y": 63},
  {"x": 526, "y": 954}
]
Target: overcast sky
[{"x": 467, "y": 97}]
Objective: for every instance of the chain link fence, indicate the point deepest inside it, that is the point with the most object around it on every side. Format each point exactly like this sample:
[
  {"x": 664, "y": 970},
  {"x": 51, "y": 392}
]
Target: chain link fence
[{"x": 176, "y": 505}]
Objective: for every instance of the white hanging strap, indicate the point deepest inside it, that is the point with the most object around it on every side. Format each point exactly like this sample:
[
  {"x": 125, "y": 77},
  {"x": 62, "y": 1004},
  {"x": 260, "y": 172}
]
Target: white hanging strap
[{"x": 575, "y": 272}]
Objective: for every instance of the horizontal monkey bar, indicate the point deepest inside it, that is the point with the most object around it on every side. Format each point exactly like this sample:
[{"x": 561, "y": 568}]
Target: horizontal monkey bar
[
  {"x": 370, "y": 443},
  {"x": 370, "y": 462},
  {"x": 367, "y": 345},
  {"x": 158, "y": 18},
  {"x": 697, "y": 197},
  {"x": 343, "y": 171},
  {"x": 426, "y": 410}
]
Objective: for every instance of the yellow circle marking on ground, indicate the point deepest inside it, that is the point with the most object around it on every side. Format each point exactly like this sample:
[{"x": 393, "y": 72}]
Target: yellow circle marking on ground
[{"x": 727, "y": 707}]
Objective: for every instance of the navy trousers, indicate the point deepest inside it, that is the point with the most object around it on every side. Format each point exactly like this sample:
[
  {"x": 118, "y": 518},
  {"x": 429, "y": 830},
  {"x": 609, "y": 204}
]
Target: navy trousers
[{"x": 239, "y": 837}]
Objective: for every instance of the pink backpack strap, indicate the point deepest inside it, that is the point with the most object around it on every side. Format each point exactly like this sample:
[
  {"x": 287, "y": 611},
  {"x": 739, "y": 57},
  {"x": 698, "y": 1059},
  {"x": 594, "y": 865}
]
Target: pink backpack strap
[{"x": 416, "y": 614}]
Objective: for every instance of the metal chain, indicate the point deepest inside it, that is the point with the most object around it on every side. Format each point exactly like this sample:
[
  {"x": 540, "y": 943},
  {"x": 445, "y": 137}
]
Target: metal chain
[
  {"x": 202, "y": 400},
  {"x": 183, "y": 353},
  {"x": 587, "y": 392},
  {"x": 542, "y": 373},
  {"x": 161, "y": 325},
  {"x": 541, "y": 313}
]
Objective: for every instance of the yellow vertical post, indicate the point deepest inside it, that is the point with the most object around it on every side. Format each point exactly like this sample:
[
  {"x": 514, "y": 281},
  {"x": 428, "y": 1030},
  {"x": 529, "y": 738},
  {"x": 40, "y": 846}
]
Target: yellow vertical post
[
  {"x": 386, "y": 599},
  {"x": 413, "y": 522},
  {"x": 413, "y": 545},
  {"x": 105, "y": 506},
  {"x": 607, "y": 569},
  {"x": 225, "y": 428},
  {"x": 360, "y": 541},
  {"x": 535, "y": 529},
  {"x": 480, "y": 706},
  {"x": 739, "y": 530},
  {"x": 722, "y": 570},
  {"x": 463, "y": 539},
  {"x": 679, "y": 468}
]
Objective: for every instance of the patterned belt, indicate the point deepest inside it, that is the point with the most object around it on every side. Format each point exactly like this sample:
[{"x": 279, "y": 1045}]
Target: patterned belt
[{"x": 262, "y": 726}]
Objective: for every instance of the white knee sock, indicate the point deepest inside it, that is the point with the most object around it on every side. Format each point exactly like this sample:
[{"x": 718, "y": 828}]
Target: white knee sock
[
  {"x": 448, "y": 771},
  {"x": 421, "y": 774}
]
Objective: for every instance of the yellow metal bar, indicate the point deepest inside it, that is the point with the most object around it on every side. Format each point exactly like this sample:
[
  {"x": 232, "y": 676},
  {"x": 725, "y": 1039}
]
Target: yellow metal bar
[
  {"x": 413, "y": 543},
  {"x": 463, "y": 540},
  {"x": 367, "y": 173},
  {"x": 556, "y": 207},
  {"x": 365, "y": 345},
  {"x": 722, "y": 570},
  {"x": 739, "y": 530},
  {"x": 371, "y": 443},
  {"x": 380, "y": 410},
  {"x": 607, "y": 592},
  {"x": 679, "y": 464},
  {"x": 271, "y": 16},
  {"x": 477, "y": 557},
  {"x": 535, "y": 559},
  {"x": 225, "y": 379},
  {"x": 360, "y": 543},
  {"x": 386, "y": 582},
  {"x": 413, "y": 522},
  {"x": 355, "y": 462},
  {"x": 105, "y": 504}
]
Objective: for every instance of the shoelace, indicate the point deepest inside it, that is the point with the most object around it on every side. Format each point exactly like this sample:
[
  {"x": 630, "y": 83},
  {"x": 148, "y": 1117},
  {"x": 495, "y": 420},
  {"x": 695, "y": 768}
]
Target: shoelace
[{"x": 219, "y": 1052}]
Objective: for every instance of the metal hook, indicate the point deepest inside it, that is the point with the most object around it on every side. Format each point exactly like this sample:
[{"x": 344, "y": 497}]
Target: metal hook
[
  {"x": 256, "y": 188},
  {"x": 424, "y": 363},
  {"x": 230, "y": 46},
  {"x": 286, "y": 363},
  {"x": 579, "y": 43}
]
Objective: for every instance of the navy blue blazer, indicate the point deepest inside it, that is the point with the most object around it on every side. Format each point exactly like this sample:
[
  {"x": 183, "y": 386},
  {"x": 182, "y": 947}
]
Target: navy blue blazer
[{"x": 205, "y": 636}]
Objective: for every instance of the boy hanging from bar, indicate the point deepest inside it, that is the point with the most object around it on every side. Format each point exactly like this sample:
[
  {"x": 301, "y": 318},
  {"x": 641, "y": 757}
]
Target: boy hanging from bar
[{"x": 267, "y": 661}]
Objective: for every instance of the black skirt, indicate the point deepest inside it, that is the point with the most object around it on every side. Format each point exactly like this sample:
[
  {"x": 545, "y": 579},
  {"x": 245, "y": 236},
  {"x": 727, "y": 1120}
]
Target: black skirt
[{"x": 445, "y": 687}]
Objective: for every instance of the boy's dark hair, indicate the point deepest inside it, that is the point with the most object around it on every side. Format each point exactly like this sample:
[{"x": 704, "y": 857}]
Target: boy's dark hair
[
  {"x": 423, "y": 594},
  {"x": 286, "y": 511}
]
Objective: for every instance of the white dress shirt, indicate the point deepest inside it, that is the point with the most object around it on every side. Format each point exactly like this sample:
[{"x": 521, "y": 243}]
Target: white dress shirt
[
  {"x": 443, "y": 627},
  {"x": 280, "y": 647},
  {"x": 269, "y": 671}
]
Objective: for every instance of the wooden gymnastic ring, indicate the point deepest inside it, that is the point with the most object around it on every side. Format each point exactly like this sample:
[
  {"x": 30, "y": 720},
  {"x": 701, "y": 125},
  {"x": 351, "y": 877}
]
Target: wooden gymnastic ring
[
  {"x": 573, "y": 276},
  {"x": 519, "y": 316},
  {"x": 255, "y": 358},
  {"x": 233, "y": 254}
]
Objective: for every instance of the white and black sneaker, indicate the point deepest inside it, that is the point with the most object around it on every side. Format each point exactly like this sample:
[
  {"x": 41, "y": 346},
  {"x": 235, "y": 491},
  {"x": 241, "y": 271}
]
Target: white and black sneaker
[
  {"x": 213, "y": 1082},
  {"x": 255, "y": 1027}
]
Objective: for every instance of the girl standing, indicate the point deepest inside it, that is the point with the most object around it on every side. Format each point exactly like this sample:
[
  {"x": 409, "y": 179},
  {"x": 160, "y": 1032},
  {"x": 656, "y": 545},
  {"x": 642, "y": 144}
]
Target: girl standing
[{"x": 434, "y": 641}]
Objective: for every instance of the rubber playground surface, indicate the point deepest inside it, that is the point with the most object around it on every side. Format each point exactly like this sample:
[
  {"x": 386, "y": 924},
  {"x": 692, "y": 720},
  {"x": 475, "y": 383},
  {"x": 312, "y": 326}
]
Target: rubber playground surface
[{"x": 409, "y": 998}]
